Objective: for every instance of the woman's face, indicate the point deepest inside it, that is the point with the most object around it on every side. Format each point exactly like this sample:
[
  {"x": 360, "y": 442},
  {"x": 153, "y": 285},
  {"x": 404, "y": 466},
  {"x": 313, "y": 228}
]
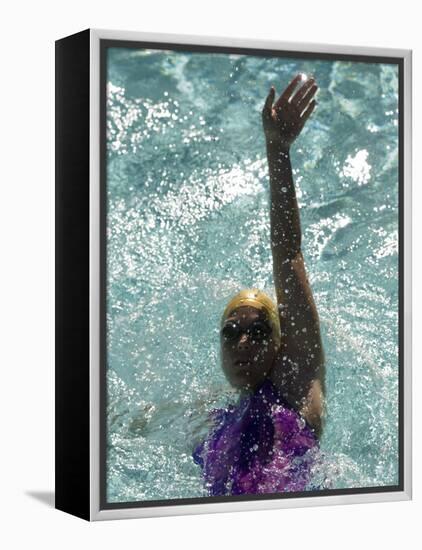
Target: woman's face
[{"x": 247, "y": 347}]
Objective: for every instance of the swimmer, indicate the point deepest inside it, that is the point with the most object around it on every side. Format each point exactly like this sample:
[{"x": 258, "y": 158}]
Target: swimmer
[{"x": 272, "y": 353}]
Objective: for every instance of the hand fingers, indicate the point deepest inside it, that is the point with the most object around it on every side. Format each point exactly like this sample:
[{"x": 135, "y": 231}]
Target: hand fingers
[
  {"x": 306, "y": 99},
  {"x": 308, "y": 111},
  {"x": 266, "y": 111},
  {"x": 304, "y": 95},
  {"x": 302, "y": 91},
  {"x": 285, "y": 96}
]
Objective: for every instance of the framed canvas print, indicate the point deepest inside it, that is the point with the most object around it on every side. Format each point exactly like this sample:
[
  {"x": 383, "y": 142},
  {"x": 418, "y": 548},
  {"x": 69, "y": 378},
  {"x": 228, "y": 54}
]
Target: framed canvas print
[{"x": 233, "y": 284}]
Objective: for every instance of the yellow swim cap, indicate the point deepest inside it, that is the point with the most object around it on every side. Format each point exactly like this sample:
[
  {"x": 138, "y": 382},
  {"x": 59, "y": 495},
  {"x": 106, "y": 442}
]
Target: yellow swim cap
[{"x": 259, "y": 300}]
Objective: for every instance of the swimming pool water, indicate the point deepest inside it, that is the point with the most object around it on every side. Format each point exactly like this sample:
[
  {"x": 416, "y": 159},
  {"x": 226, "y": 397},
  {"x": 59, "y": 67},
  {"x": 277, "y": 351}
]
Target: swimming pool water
[{"x": 188, "y": 226}]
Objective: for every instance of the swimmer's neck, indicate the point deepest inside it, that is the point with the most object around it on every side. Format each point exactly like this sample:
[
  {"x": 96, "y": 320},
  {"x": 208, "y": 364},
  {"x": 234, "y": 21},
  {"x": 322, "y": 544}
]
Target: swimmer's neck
[
  {"x": 245, "y": 392},
  {"x": 248, "y": 391}
]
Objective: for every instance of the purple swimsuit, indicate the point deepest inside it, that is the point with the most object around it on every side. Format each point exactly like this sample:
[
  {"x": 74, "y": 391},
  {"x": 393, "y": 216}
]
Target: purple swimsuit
[{"x": 260, "y": 445}]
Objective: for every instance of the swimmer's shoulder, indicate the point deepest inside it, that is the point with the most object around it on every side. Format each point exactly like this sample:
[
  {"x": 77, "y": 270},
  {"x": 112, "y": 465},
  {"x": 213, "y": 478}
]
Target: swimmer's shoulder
[{"x": 302, "y": 394}]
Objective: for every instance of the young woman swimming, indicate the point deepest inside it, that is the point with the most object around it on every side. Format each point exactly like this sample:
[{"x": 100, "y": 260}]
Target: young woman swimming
[{"x": 273, "y": 354}]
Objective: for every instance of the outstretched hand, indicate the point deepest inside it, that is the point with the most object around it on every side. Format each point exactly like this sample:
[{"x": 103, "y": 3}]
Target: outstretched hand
[{"x": 284, "y": 120}]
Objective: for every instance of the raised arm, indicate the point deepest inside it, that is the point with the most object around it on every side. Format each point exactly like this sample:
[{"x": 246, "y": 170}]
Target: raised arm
[{"x": 300, "y": 371}]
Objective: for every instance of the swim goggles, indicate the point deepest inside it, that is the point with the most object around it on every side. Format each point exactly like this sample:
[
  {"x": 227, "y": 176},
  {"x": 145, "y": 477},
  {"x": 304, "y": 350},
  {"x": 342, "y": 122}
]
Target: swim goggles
[{"x": 258, "y": 331}]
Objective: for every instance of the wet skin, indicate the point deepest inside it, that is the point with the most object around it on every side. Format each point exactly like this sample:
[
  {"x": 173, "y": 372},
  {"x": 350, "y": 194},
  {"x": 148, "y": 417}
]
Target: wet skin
[{"x": 248, "y": 358}]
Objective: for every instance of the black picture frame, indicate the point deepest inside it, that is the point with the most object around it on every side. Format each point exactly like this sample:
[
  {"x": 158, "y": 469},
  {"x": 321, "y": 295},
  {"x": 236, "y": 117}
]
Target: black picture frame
[{"x": 81, "y": 275}]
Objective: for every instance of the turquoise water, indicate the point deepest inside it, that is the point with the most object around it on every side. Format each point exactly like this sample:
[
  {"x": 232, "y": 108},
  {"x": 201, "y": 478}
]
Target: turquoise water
[{"x": 188, "y": 226}]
